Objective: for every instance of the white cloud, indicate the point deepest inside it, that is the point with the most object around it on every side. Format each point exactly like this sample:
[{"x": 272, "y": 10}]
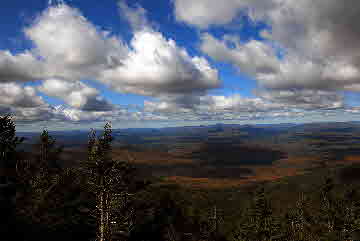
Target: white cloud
[
  {"x": 26, "y": 106},
  {"x": 75, "y": 94},
  {"x": 319, "y": 37},
  {"x": 72, "y": 48},
  {"x": 253, "y": 57},
  {"x": 353, "y": 110},
  {"x": 38, "y": 114},
  {"x": 68, "y": 48},
  {"x": 118, "y": 114},
  {"x": 135, "y": 16},
  {"x": 204, "y": 13},
  {"x": 158, "y": 66},
  {"x": 319, "y": 40},
  {"x": 20, "y": 67},
  {"x": 76, "y": 115},
  {"x": 15, "y": 95},
  {"x": 24, "y": 103},
  {"x": 304, "y": 99},
  {"x": 268, "y": 104},
  {"x": 322, "y": 41},
  {"x": 210, "y": 108}
]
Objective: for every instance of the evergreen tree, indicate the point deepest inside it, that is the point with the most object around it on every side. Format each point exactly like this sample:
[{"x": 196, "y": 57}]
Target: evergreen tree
[
  {"x": 8, "y": 143},
  {"x": 327, "y": 212},
  {"x": 46, "y": 163},
  {"x": 110, "y": 180},
  {"x": 38, "y": 179},
  {"x": 261, "y": 223},
  {"x": 48, "y": 153},
  {"x": 351, "y": 213},
  {"x": 298, "y": 221},
  {"x": 332, "y": 215},
  {"x": 8, "y": 157}
]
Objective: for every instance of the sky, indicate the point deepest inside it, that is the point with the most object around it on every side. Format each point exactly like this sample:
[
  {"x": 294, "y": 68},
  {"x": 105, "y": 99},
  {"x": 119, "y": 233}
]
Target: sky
[{"x": 77, "y": 64}]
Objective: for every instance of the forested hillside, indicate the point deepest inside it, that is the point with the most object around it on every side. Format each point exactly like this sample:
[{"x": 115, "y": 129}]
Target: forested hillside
[{"x": 108, "y": 199}]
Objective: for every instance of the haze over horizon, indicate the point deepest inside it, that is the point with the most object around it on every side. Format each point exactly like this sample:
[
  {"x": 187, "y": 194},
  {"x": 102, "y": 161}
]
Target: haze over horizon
[{"x": 75, "y": 64}]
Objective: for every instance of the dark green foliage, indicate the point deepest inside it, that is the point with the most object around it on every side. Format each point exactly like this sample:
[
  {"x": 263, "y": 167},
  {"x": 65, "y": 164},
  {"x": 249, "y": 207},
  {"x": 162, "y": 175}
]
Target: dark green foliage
[
  {"x": 48, "y": 152},
  {"x": 113, "y": 182},
  {"x": 8, "y": 155},
  {"x": 165, "y": 213},
  {"x": 260, "y": 223},
  {"x": 298, "y": 221},
  {"x": 163, "y": 221},
  {"x": 38, "y": 178},
  {"x": 325, "y": 215},
  {"x": 54, "y": 203},
  {"x": 8, "y": 139},
  {"x": 49, "y": 199}
]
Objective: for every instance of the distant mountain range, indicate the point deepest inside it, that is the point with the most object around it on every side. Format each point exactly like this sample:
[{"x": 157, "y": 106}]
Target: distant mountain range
[{"x": 200, "y": 133}]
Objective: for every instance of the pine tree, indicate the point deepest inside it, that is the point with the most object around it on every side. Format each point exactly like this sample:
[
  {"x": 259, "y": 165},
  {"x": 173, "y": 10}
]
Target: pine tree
[
  {"x": 38, "y": 178},
  {"x": 332, "y": 215},
  {"x": 8, "y": 143},
  {"x": 48, "y": 154},
  {"x": 261, "y": 223},
  {"x": 110, "y": 180},
  {"x": 351, "y": 210},
  {"x": 298, "y": 220},
  {"x": 8, "y": 157}
]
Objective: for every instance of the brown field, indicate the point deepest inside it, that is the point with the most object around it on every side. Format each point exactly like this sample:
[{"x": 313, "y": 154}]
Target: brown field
[
  {"x": 289, "y": 166},
  {"x": 150, "y": 157},
  {"x": 279, "y": 170},
  {"x": 261, "y": 174},
  {"x": 190, "y": 171},
  {"x": 212, "y": 183},
  {"x": 351, "y": 159}
]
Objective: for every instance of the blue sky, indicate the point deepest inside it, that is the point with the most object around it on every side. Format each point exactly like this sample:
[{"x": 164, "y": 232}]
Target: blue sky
[{"x": 75, "y": 64}]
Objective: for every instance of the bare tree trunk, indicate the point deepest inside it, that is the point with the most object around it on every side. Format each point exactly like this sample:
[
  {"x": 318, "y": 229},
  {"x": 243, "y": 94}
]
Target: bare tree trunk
[
  {"x": 102, "y": 211},
  {"x": 104, "y": 205},
  {"x": 107, "y": 217},
  {"x": 102, "y": 226}
]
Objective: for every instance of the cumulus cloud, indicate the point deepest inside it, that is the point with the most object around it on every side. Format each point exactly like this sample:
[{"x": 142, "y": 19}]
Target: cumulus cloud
[
  {"x": 211, "y": 108},
  {"x": 13, "y": 94},
  {"x": 304, "y": 99},
  {"x": 204, "y": 13},
  {"x": 69, "y": 48},
  {"x": 76, "y": 115},
  {"x": 117, "y": 114},
  {"x": 72, "y": 48},
  {"x": 319, "y": 39},
  {"x": 259, "y": 60},
  {"x": 236, "y": 103},
  {"x": 156, "y": 66},
  {"x": 267, "y": 104},
  {"x": 38, "y": 114},
  {"x": 135, "y": 16},
  {"x": 22, "y": 67},
  {"x": 305, "y": 73},
  {"x": 322, "y": 44},
  {"x": 354, "y": 110},
  {"x": 253, "y": 57},
  {"x": 75, "y": 94},
  {"x": 23, "y": 102}
]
